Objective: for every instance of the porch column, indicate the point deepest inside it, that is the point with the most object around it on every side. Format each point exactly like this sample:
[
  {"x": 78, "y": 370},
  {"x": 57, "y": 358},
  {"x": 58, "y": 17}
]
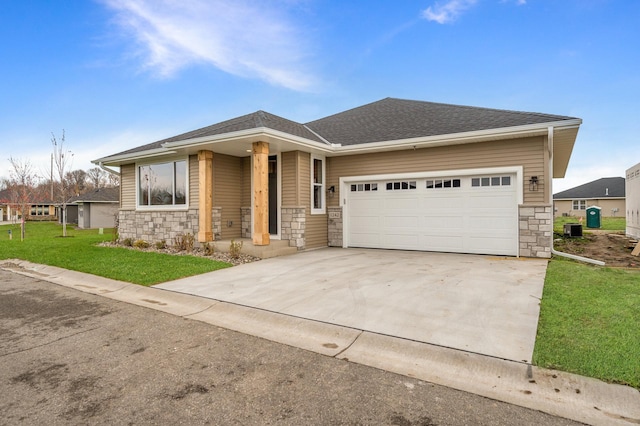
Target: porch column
[
  {"x": 205, "y": 192},
  {"x": 261, "y": 194}
]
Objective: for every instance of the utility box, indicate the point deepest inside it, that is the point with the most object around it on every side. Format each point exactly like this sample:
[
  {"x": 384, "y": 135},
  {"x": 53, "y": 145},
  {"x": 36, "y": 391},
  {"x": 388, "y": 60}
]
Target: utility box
[
  {"x": 572, "y": 230},
  {"x": 593, "y": 217}
]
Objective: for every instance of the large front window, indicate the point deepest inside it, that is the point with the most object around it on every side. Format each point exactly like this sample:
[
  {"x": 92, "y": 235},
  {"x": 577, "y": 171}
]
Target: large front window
[{"x": 163, "y": 184}]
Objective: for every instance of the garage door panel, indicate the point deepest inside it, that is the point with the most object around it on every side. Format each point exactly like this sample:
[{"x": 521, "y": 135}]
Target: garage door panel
[{"x": 462, "y": 219}]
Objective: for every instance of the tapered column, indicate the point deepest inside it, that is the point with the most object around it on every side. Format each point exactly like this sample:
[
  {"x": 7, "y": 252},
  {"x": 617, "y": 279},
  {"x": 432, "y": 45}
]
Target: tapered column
[
  {"x": 205, "y": 192},
  {"x": 261, "y": 194}
]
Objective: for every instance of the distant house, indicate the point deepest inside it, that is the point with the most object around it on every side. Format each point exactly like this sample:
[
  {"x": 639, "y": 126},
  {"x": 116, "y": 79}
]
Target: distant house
[
  {"x": 633, "y": 201},
  {"x": 606, "y": 193},
  {"x": 39, "y": 209},
  {"x": 95, "y": 209}
]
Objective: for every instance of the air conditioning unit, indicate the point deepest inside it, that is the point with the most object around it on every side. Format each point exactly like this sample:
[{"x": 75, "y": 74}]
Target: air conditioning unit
[{"x": 573, "y": 230}]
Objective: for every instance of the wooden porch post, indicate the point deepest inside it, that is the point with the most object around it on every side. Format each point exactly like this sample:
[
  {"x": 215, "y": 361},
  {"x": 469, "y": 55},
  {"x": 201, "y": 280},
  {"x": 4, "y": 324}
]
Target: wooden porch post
[
  {"x": 205, "y": 192},
  {"x": 261, "y": 194}
]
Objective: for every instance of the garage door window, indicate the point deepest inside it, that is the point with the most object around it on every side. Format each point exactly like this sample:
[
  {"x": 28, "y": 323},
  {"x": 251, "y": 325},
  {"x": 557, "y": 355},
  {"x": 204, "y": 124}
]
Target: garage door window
[
  {"x": 491, "y": 181},
  {"x": 443, "y": 183},
  {"x": 401, "y": 186},
  {"x": 363, "y": 187}
]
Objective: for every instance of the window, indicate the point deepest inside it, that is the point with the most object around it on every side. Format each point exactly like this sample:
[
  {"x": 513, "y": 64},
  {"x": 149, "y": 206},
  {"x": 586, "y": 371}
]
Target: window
[
  {"x": 162, "y": 184},
  {"x": 443, "y": 183},
  {"x": 491, "y": 181},
  {"x": 579, "y": 204},
  {"x": 402, "y": 185},
  {"x": 317, "y": 185},
  {"x": 364, "y": 187}
]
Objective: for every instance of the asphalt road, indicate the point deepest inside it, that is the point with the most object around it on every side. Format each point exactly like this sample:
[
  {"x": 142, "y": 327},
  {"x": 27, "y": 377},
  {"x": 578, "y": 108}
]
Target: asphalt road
[{"x": 67, "y": 357}]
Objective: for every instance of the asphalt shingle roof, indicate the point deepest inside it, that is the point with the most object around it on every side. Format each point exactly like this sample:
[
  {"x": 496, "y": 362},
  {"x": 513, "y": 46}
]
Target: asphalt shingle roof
[
  {"x": 99, "y": 195},
  {"x": 385, "y": 120},
  {"x": 612, "y": 187}
]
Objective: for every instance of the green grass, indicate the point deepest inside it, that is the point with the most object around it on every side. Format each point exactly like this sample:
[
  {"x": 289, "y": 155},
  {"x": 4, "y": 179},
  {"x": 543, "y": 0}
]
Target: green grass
[
  {"x": 79, "y": 252},
  {"x": 606, "y": 223},
  {"x": 590, "y": 322}
]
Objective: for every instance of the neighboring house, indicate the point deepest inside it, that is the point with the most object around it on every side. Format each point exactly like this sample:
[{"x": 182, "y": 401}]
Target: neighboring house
[
  {"x": 39, "y": 209},
  {"x": 394, "y": 174},
  {"x": 95, "y": 209},
  {"x": 606, "y": 193},
  {"x": 633, "y": 201}
]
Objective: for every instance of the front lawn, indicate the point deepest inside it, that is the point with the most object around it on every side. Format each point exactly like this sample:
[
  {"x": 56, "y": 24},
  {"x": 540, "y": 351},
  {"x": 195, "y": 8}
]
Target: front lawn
[
  {"x": 590, "y": 322},
  {"x": 79, "y": 251}
]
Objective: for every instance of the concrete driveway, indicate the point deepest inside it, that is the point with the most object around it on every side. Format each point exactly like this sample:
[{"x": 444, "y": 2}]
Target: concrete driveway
[{"x": 481, "y": 304}]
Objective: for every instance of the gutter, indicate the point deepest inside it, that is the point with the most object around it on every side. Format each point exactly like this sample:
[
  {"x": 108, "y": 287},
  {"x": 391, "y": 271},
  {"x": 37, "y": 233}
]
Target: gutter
[{"x": 108, "y": 170}]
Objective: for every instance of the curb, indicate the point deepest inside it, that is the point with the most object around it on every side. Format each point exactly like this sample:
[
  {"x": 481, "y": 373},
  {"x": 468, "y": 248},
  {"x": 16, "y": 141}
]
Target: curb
[{"x": 558, "y": 393}]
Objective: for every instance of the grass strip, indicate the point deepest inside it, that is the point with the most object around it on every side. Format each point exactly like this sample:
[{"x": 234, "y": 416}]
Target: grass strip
[
  {"x": 590, "y": 322},
  {"x": 79, "y": 251}
]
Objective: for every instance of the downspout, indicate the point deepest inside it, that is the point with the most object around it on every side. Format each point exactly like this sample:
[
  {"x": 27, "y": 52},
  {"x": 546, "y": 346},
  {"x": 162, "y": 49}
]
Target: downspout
[{"x": 550, "y": 195}]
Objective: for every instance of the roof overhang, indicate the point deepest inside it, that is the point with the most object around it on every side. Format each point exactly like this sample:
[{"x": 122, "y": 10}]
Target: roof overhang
[{"x": 239, "y": 143}]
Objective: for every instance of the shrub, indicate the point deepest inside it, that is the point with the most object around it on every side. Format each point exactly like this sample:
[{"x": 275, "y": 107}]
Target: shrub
[
  {"x": 140, "y": 244},
  {"x": 161, "y": 245},
  {"x": 208, "y": 249},
  {"x": 235, "y": 247},
  {"x": 127, "y": 242},
  {"x": 184, "y": 242}
]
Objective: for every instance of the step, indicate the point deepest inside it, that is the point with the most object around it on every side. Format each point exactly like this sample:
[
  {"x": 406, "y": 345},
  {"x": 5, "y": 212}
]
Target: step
[{"x": 274, "y": 249}]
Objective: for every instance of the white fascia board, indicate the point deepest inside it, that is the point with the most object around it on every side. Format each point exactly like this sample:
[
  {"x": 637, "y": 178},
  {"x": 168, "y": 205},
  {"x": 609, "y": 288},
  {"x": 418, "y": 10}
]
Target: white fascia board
[
  {"x": 250, "y": 133},
  {"x": 133, "y": 156},
  {"x": 461, "y": 138}
]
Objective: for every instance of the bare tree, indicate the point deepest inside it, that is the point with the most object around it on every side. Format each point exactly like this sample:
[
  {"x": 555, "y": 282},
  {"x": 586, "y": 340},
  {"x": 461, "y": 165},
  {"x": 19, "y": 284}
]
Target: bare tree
[
  {"x": 97, "y": 177},
  {"x": 63, "y": 160},
  {"x": 21, "y": 187},
  {"x": 77, "y": 181}
]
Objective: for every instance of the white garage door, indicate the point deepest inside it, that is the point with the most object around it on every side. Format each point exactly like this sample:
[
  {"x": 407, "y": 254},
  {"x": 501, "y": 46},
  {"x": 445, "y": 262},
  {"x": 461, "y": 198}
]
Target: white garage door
[{"x": 461, "y": 214}]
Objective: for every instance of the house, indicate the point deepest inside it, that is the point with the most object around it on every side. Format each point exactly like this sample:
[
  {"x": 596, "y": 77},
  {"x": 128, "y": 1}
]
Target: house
[
  {"x": 606, "y": 193},
  {"x": 95, "y": 209},
  {"x": 40, "y": 208},
  {"x": 393, "y": 174},
  {"x": 633, "y": 201}
]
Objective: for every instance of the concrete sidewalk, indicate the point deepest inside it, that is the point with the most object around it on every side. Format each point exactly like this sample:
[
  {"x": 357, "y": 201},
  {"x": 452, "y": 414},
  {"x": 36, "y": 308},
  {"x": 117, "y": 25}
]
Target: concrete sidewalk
[{"x": 562, "y": 394}]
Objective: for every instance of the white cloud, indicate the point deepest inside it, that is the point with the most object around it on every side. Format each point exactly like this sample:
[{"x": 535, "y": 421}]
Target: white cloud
[
  {"x": 447, "y": 12},
  {"x": 246, "y": 38}
]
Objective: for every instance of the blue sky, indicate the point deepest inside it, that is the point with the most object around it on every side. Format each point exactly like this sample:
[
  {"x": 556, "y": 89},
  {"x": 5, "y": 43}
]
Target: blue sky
[{"x": 116, "y": 74}]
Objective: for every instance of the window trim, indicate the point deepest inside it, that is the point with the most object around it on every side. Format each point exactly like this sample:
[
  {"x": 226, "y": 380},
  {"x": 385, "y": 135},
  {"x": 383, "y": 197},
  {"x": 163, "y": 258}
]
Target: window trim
[
  {"x": 172, "y": 160},
  {"x": 322, "y": 185},
  {"x": 582, "y": 204}
]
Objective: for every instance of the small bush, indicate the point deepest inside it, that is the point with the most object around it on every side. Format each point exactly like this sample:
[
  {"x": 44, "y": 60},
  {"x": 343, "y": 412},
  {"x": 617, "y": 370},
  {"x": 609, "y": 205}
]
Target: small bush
[
  {"x": 207, "y": 249},
  {"x": 127, "y": 242},
  {"x": 235, "y": 247},
  {"x": 184, "y": 242},
  {"x": 161, "y": 245},
  {"x": 140, "y": 244}
]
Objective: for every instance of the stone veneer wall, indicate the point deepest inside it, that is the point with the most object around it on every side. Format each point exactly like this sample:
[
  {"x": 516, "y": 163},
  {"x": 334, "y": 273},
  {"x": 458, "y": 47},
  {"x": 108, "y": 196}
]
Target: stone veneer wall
[
  {"x": 155, "y": 226},
  {"x": 536, "y": 230},
  {"x": 245, "y": 213},
  {"x": 335, "y": 226},
  {"x": 293, "y": 223}
]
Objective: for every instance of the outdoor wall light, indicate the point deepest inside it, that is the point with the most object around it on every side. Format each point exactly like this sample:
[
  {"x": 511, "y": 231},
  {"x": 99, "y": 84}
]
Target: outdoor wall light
[
  {"x": 533, "y": 183},
  {"x": 332, "y": 189}
]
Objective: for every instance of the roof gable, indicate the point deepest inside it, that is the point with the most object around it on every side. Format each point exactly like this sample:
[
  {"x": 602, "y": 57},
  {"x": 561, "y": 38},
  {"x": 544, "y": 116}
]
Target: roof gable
[{"x": 612, "y": 187}]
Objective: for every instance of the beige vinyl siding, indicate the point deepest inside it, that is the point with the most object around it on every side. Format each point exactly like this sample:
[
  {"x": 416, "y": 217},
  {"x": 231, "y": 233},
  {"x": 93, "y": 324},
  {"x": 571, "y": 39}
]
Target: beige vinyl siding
[
  {"x": 246, "y": 182},
  {"x": 316, "y": 231},
  {"x": 528, "y": 152},
  {"x": 128, "y": 186},
  {"x": 194, "y": 186},
  {"x": 290, "y": 187},
  {"x": 227, "y": 184}
]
